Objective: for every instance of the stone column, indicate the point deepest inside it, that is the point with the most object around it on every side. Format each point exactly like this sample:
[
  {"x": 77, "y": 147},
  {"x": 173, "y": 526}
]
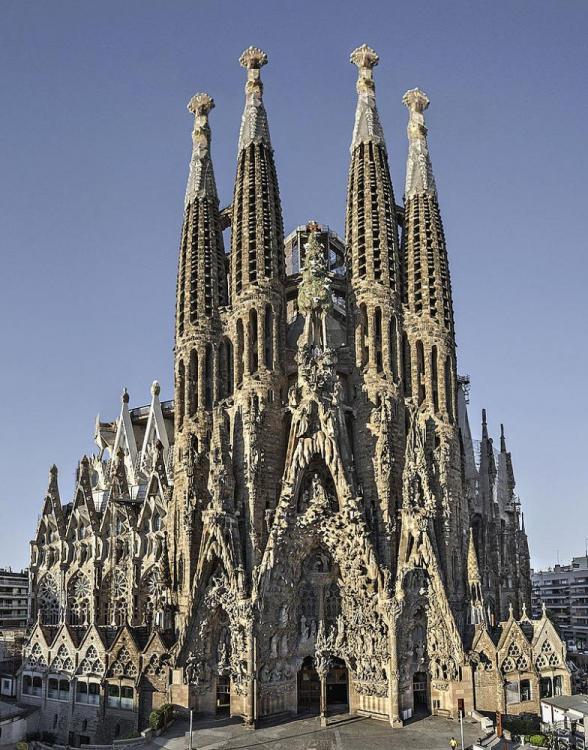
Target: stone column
[{"x": 393, "y": 678}]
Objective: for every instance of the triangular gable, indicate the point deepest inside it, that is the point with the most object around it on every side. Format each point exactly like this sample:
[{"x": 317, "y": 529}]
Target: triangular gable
[
  {"x": 511, "y": 630},
  {"x": 155, "y": 430},
  {"x": 93, "y": 635},
  {"x": 125, "y": 436}
]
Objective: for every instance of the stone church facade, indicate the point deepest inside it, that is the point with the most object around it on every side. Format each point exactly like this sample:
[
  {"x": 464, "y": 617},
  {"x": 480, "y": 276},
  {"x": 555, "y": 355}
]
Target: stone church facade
[{"x": 309, "y": 524}]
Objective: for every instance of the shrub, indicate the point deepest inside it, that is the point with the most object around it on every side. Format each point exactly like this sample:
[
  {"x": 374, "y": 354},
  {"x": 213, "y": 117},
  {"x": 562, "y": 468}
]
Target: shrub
[
  {"x": 538, "y": 740},
  {"x": 159, "y": 717}
]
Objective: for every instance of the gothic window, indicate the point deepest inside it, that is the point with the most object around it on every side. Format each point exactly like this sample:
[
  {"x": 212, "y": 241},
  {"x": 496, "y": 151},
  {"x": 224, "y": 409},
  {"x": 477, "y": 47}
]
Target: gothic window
[
  {"x": 78, "y": 600},
  {"x": 115, "y": 597},
  {"x": 123, "y": 665},
  {"x": 180, "y": 389},
  {"x": 309, "y": 604},
  {"x": 378, "y": 339},
  {"x": 208, "y": 377},
  {"x": 226, "y": 368},
  {"x": 48, "y": 600},
  {"x": 508, "y": 665},
  {"x": 363, "y": 334},
  {"x": 407, "y": 364},
  {"x": 393, "y": 347},
  {"x": 62, "y": 662},
  {"x": 91, "y": 663},
  {"x": 420, "y": 371},
  {"x": 253, "y": 335},
  {"x": 152, "y": 592},
  {"x": 239, "y": 352},
  {"x": 434, "y": 378},
  {"x": 269, "y": 337},
  {"x": 36, "y": 657},
  {"x": 193, "y": 383},
  {"x": 448, "y": 378},
  {"x": 332, "y": 603}
]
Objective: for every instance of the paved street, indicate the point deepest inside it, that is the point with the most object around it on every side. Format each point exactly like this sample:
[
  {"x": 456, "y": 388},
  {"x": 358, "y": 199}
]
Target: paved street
[{"x": 343, "y": 733}]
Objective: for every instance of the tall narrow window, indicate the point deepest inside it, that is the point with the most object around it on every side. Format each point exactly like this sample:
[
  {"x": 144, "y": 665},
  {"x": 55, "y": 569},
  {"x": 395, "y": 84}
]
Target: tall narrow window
[
  {"x": 230, "y": 370},
  {"x": 363, "y": 336},
  {"x": 181, "y": 388},
  {"x": 208, "y": 375},
  {"x": 434, "y": 378},
  {"x": 225, "y": 368},
  {"x": 268, "y": 348},
  {"x": 393, "y": 347},
  {"x": 193, "y": 383},
  {"x": 448, "y": 388},
  {"x": 420, "y": 371},
  {"x": 378, "y": 337},
  {"x": 239, "y": 353},
  {"x": 253, "y": 338},
  {"x": 407, "y": 364}
]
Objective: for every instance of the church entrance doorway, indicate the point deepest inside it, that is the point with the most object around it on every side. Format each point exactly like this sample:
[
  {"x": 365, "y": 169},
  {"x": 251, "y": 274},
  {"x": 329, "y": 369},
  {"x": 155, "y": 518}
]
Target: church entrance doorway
[
  {"x": 338, "y": 687},
  {"x": 309, "y": 688},
  {"x": 419, "y": 692},
  {"x": 223, "y": 695}
]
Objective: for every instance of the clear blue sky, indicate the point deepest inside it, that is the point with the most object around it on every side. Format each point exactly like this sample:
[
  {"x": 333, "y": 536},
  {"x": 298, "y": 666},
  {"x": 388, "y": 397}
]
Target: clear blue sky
[{"x": 94, "y": 149}]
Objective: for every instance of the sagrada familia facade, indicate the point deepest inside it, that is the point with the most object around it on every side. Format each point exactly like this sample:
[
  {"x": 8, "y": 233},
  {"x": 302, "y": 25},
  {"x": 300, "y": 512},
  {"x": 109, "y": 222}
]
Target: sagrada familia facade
[{"x": 309, "y": 524}]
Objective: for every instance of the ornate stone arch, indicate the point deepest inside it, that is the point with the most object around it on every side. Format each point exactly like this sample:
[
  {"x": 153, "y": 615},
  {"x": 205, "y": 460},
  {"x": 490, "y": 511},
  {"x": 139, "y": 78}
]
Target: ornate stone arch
[
  {"x": 62, "y": 661},
  {"x": 48, "y": 600},
  {"x": 151, "y": 595},
  {"x": 79, "y": 597},
  {"x": 115, "y": 598},
  {"x": 91, "y": 663}
]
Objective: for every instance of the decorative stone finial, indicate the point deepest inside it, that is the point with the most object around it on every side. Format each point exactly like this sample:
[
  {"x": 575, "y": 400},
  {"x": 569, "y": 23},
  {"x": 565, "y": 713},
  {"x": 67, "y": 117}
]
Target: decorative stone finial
[
  {"x": 502, "y": 440},
  {"x": 313, "y": 226},
  {"x": 201, "y": 178},
  {"x": 155, "y": 388},
  {"x": 254, "y": 127},
  {"x": 419, "y": 173},
  {"x": 510, "y": 610},
  {"x": 201, "y": 104},
  {"x": 125, "y": 396},
  {"x": 53, "y": 471},
  {"x": 416, "y": 100},
  {"x": 253, "y": 58},
  {"x": 366, "y": 59},
  {"x": 367, "y": 126}
]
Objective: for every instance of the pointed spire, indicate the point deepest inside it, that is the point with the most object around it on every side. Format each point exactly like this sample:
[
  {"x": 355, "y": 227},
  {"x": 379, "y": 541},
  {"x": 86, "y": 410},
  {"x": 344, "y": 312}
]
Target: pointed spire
[
  {"x": 254, "y": 127},
  {"x": 367, "y": 121},
  {"x": 201, "y": 182},
  {"x": 53, "y": 489},
  {"x": 502, "y": 440},
  {"x": 419, "y": 172},
  {"x": 484, "y": 425},
  {"x": 257, "y": 235},
  {"x": 473, "y": 567},
  {"x": 371, "y": 229}
]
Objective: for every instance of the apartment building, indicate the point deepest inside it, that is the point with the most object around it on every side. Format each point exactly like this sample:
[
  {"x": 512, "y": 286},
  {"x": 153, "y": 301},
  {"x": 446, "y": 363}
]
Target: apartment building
[
  {"x": 563, "y": 590},
  {"x": 14, "y": 599}
]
